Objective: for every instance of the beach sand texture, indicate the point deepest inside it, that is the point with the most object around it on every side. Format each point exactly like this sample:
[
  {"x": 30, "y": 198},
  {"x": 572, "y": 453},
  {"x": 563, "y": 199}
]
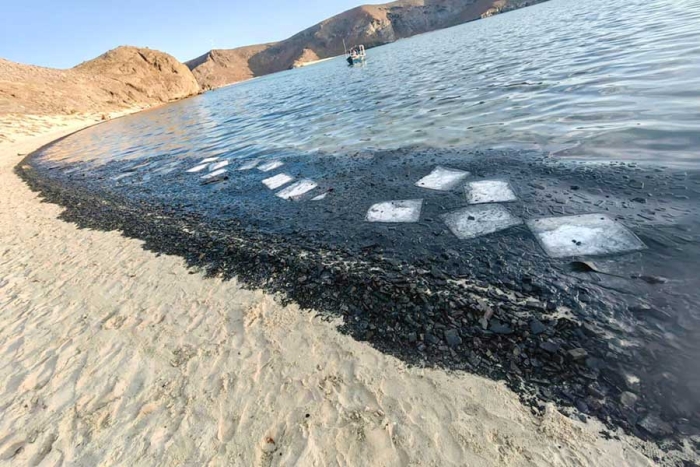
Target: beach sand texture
[{"x": 111, "y": 355}]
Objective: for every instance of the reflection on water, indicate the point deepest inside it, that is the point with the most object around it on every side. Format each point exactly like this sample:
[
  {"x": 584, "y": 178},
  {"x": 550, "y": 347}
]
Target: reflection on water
[{"x": 594, "y": 80}]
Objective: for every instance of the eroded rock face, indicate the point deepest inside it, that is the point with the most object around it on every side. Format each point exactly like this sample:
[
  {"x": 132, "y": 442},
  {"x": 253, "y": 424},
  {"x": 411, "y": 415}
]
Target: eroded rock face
[
  {"x": 122, "y": 78},
  {"x": 371, "y": 25}
]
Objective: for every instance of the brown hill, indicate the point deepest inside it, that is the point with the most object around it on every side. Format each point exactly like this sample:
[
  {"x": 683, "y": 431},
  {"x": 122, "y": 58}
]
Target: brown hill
[
  {"x": 371, "y": 25},
  {"x": 121, "y": 78},
  {"x": 307, "y": 56},
  {"x": 218, "y": 68}
]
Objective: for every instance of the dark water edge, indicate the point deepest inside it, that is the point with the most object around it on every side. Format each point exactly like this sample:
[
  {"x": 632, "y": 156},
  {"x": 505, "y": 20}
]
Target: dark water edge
[{"x": 418, "y": 294}]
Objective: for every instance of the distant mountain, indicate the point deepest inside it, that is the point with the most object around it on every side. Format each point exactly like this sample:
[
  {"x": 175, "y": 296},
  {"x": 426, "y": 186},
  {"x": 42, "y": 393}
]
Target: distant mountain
[
  {"x": 119, "y": 79},
  {"x": 130, "y": 77},
  {"x": 371, "y": 25}
]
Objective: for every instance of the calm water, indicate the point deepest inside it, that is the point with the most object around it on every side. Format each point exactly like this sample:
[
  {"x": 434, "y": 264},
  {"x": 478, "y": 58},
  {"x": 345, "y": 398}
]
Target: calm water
[{"x": 591, "y": 80}]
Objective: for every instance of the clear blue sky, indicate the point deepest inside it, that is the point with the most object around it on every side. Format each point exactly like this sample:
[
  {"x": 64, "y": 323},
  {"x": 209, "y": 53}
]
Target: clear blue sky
[{"x": 61, "y": 34}]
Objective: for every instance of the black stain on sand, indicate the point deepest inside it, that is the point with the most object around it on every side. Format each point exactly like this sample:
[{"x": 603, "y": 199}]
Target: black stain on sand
[{"x": 492, "y": 306}]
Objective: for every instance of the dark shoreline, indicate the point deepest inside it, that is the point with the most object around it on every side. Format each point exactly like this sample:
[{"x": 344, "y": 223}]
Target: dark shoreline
[{"x": 423, "y": 308}]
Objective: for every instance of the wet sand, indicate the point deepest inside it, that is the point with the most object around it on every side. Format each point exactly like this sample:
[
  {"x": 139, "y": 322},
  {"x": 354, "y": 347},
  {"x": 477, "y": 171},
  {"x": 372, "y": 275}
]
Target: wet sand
[{"x": 115, "y": 355}]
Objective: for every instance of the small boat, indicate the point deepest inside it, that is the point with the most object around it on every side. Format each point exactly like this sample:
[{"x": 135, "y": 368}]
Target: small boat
[{"x": 356, "y": 56}]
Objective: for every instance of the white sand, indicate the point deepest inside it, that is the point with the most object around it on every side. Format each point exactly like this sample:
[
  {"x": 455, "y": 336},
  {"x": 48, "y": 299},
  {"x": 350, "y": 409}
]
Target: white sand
[{"x": 113, "y": 356}]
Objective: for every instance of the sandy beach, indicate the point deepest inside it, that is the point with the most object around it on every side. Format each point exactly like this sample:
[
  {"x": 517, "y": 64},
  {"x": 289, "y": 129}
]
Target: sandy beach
[{"x": 115, "y": 356}]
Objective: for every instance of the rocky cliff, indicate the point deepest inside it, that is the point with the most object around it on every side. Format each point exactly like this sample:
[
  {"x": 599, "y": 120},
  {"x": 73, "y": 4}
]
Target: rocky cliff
[
  {"x": 371, "y": 25},
  {"x": 119, "y": 79}
]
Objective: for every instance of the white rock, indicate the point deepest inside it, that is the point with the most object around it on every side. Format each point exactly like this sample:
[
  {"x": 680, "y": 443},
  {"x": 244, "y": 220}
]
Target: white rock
[
  {"x": 277, "y": 181},
  {"x": 442, "y": 178},
  {"x": 320, "y": 197},
  {"x": 475, "y": 221},
  {"x": 209, "y": 159},
  {"x": 588, "y": 234},
  {"x": 298, "y": 189},
  {"x": 489, "y": 191},
  {"x": 395, "y": 211}
]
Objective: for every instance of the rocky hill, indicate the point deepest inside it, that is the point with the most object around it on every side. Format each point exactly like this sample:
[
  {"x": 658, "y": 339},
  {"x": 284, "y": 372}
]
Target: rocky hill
[
  {"x": 371, "y": 25},
  {"x": 122, "y": 78},
  {"x": 218, "y": 68},
  {"x": 131, "y": 77}
]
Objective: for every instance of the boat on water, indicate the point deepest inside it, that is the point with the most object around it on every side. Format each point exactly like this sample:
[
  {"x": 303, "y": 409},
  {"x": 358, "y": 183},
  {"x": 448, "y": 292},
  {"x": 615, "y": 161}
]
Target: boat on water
[{"x": 356, "y": 55}]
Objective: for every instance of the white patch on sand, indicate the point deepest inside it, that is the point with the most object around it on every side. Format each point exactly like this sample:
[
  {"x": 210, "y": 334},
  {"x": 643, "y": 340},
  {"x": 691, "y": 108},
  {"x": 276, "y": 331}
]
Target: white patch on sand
[
  {"x": 442, "y": 178},
  {"x": 209, "y": 159},
  {"x": 277, "y": 181},
  {"x": 218, "y": 165},
  {"x": 198, "y": 168},
  {"x": 249, "y": 165},
  {"x": 214, "y": 175},
  {"x": 298, "y": 189},
  {"x": 272, "y": 165},
  {"x": 395, "y": 211},
  {"x": 320, "y": 197},
  {"x": 490, "y": 191},
  {"x": 475, "y": 221},
  {"x": 588, "y": 234}
]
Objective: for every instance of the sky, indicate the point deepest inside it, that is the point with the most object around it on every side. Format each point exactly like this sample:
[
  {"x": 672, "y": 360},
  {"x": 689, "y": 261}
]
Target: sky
[{"x": 64, "y": 33}]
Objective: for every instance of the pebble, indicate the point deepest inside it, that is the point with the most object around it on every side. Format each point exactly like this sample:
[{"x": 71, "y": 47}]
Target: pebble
[
  {"x": 452, "y": 338},
  {"x": 582, "y": 406},
  {"x": 500, "y": 328},
  {"x": 578, "y": 354},
  {"x": 536, "y": 327},
  {"x": 550, "y": 346}
]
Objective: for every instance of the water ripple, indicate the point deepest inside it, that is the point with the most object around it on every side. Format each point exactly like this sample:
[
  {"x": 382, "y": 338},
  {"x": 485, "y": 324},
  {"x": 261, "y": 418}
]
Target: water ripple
[{"x": 601, "y": 79}]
